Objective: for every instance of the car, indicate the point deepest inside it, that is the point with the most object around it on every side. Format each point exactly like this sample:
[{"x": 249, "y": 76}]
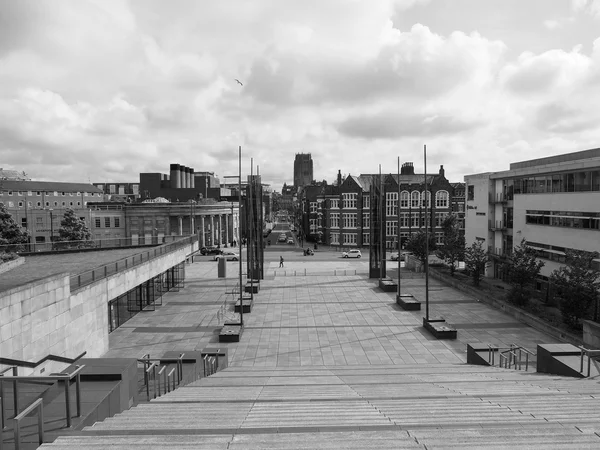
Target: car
[
  {"x": 354, "y": 253},
  {"x": 290, "y": 241},
  {"x": 228, "y": 255},
  {"x": 405, "y": 255},
  {"x": 394, "y": 256},
  {"x": 282, "y": 238},
  {"x": 210, "y": 251}
]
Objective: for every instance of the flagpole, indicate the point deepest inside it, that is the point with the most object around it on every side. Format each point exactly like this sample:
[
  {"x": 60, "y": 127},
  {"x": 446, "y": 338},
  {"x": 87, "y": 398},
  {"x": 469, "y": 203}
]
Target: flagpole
[
  {"x": 398, "y": 230},
  {"x": 239, "y": 235},
  {"x": 426, "y": 240}
]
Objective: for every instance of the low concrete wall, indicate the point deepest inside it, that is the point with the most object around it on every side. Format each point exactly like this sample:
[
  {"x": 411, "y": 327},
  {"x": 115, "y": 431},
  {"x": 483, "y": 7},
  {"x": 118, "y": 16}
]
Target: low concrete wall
[
  {"x": 591, "y": 334},
  {"x": 44, "y": 317},
  {"x": 506, "y": 307},
  {"x": 9, "y": 265}
]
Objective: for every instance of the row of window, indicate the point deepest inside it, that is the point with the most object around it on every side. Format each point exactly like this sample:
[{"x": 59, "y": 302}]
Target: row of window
[
  {"x": 351, "y": 238},
  {"x": 555, "y": 253},
  {"x": 22, "y": 204},
  {"x": 567, "y": 219},
  {"x": 107, "y": 221},
  {"x": 415, "y": 219},
  {"x": 581, "y": 181},
  {"x": 48, "y": 193},
  {"x": 414, "y": 199}
]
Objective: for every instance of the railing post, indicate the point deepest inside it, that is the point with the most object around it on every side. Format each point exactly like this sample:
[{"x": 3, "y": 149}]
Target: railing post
[
  {"x": 154, "y": 379},
  {"x": 581, "y": 361},
  {"x": 67, "y": 401},
  {"x": 78, "y": 393},
  {"x": 1, "y": 407},
  {"x": 41, "y": 423},
  {"x": 15, "y": 371}
]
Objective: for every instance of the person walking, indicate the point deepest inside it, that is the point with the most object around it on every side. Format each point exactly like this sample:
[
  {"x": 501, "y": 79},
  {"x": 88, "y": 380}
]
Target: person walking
[{"x": 281, "y": 261}]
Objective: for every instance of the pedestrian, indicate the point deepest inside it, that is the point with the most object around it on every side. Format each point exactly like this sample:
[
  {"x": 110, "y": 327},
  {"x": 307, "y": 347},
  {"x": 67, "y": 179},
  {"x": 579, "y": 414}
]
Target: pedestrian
[{"x": 281, "y": 261}]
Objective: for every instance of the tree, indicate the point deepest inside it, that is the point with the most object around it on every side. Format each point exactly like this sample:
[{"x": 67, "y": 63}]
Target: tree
[
  {"x": 453, "y": 249},
  {"x": 476, "y": 260},
  {"x": 416, "y": 245},
  {"x": 12, "y": 236},
  {"x": 72, "y": 228},
  {"x": 576, "y": 285},
  {"x": 522, "y": 267}
]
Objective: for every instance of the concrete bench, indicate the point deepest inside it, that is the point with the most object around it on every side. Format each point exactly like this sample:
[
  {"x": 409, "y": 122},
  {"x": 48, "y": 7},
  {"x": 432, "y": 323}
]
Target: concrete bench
[
  {"x": 439, "y": 328},
  {"x": 230, "y": 333},
  {"x": 247, "y": 305},
  {"x": 253, "y": 287},
  {"x": 408, "y": 302},
  {"x": 388, "y": 285}
]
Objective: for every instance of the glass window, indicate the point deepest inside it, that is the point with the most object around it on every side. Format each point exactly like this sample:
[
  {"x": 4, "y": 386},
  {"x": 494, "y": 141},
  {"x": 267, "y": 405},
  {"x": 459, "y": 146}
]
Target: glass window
[
  {"x": 441, "y": 199},
  {"x": 97, "y": 222},
  {"x": 414, "y": 199},
  {"x": 404, "y": 199}
]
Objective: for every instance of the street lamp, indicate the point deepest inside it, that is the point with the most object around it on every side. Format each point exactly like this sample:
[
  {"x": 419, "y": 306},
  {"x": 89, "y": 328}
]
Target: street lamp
[{"x": 51, "y": 230}]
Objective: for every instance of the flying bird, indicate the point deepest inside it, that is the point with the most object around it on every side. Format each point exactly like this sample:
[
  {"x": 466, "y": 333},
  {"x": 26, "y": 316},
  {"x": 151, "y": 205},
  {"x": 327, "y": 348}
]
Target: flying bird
[{"x": 240, "y": 83}]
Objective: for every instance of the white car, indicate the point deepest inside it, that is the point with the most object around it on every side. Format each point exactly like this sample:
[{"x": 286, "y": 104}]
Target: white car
[
  {"x": 354, "y": 253},
  {"x": 228, "y": 255}
]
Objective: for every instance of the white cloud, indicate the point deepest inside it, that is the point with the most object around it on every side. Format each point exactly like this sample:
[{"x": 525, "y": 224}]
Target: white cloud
[{"x": 591, "y": 7}]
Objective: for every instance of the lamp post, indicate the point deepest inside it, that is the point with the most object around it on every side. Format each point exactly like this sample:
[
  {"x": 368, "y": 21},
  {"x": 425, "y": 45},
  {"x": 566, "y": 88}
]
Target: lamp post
[{"x": 51, "y": 230}]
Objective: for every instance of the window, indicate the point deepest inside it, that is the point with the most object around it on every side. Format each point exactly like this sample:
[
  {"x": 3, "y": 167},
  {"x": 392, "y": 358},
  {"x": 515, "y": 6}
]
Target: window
[
  {"x": 117, "y": 222},
  {"x": 350, "y": 200},
  {"x": 391, "y": 203},
  {"x": 391, "y": 228},
  {"x": 335, "y": 204},
  {"x": 335, "y": 239},
  {"x": 64, "y": 203},
  {"x": 38, "y": 193},
  {"x": 349, "y": 220},
  {"x": 439, "y": 237},
  {"x": 24, "y": 222},
  {"x": 39, "y": 204},
  {"x": 366, "y": 220},
  {"x": 366, "y": 201},
  {"x": 470, "y": 192},
  {"x": 10, "y": 193},
  {"x": 29, "y": 193},
  {"x": 313, "y": 207},
  {"x": 439, "y": 218},
  {"x": 414, "y": 199},
  {"x": 404, "y": 198},
  {"x": 335, "y": 220},
  {"x": 416, "y": 222},
  {"x": 313, "y": 225},
  {"x": 97, "y": 222},
  {"x": 366, "y": 238},
  {"x": 566, "y": 219},
  {"x": 404, "y": 217},
  {"x": 349, "y": 238},
  {"x": 441, "y": 199},
  {"x": 428, "y": 203},
  {"x": 20, "y": 204}
]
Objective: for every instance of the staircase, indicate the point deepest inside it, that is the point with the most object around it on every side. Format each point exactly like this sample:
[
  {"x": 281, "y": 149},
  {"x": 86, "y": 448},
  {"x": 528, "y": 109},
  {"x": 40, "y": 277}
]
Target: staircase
[{"x": 418, "y": 406}]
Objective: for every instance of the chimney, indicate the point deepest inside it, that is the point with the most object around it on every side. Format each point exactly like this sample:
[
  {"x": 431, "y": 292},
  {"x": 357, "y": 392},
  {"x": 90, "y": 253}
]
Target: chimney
[
  {"x": 192, "y": 179},
  {"x": 175, "y": 176},
  {"x": 183, "y": 177},
  {"x": 442, "y": 173},
  {"x": 407, "y": 169},
  {"x": 188, "y": 177},
  {"x": 339, "y": 178}
]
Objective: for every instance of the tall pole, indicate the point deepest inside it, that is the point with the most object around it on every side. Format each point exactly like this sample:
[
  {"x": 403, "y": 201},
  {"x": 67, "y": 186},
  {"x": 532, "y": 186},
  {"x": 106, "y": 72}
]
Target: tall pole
[
  {"x": 381, "y": 223},
  {"x": 426, "y": 240},
  {"x": 239, "y": 237},
  {"x": 251, "y": 215},
  {"x": 398, "y": 232}
]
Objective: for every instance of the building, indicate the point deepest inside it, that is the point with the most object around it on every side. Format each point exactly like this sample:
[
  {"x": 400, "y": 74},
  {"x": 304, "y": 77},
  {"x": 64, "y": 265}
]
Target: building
[
  {"x": 39, "y": 206},
  {"x": 340, "y": 215},
  {"x": 552, "y": 203},
  {"x": 303, "y": 170},
  {"x": 120, "y": 192}
]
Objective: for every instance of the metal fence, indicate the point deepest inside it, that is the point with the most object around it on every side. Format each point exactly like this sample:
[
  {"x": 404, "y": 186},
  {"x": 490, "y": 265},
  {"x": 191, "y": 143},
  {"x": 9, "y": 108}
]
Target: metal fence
[
  {"x": 105, "y": 270},
  {"x": 94, "y": 244}
]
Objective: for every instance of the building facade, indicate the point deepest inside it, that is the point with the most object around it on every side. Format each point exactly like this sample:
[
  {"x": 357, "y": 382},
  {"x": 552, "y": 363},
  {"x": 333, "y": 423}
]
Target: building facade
[
  {"x": 39, "y": 206},
  {"x": 552, "y": 203},
  {"x": 303, "y": 170},
  {"x": 340, "y": 215}
]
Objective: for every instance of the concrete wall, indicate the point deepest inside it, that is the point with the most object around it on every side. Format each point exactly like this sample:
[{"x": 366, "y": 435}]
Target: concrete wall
[{"x": 46, "y": 317}]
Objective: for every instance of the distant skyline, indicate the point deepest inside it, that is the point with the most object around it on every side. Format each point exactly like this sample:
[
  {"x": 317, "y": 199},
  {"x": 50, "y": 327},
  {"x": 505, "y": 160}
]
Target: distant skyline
[{"x": 101, "y": 90}]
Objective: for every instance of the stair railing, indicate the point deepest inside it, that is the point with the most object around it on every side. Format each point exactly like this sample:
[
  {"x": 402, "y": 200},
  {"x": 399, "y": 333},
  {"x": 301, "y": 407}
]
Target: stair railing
[
  {"x": 211, "y": 365},
  {"x": 591, "y": 354},
  {"x": 64, "y": 377},
  {"x": 151, "y": 365},
  {"x": 513, "y": 356},
  {"x": 37, "y": 405}
]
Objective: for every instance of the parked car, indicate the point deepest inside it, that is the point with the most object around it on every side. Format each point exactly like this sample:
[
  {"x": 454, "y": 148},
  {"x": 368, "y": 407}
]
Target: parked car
[
  {"x": 290, "y": 241},
  {"x": 210, "y": 251},
  {"x": 394, "y": 256},
  {"x": 354, "y": 253},
  {"x": 282, "y": 238},
  {"x": 229, "y": 255},
  {"x": 405, "y": 255}
]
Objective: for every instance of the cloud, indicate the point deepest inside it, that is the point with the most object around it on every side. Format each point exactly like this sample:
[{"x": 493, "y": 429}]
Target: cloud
[{"x": 591, "y": 7}]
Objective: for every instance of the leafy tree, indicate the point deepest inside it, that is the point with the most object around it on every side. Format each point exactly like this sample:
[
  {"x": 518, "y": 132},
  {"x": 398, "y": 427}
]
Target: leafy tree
[
  {"x": 12, "y": 236},
  {"x": 476, "y": 260},
  {"x": 576, "y": 285},
  {"x": 72, "y": 228},
  {"x": 453, "y": 249},
  {"x": 522, "y": 267},
  {"x": 416, "y": 244}
]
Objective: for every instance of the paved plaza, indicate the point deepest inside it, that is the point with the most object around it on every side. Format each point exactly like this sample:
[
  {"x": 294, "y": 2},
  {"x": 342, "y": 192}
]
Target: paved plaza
[{"x": 333, "y": 315}]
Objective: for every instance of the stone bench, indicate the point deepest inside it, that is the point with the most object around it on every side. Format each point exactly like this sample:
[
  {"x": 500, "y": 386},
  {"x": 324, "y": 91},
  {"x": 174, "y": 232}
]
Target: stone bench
[
  {"x": 439, "y": 328},
  {"x": 388, "y": 285},
  {"x": 253, "y": 287},
  {"x": 230, "y": 333},
  {"x": 408, "y": 302},
  {"x": 247, "y": 303}
]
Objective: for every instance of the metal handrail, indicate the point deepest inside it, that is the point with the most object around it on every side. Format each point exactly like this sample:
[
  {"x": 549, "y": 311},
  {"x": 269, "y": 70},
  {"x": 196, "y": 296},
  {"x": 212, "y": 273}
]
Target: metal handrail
[
  {"x": 147, "y": 371},
  {"x": 591, "y": 354},
  {"x": 173, "y": 378},
  {"x": 146, "y": 360},
  {"x": 37, "y": 405},
  {"x": 33, "y": 365},
  {"x": 65, "y": 377},
  {"x": 103, "y": 271},
  {"x": 512, "y": 359}
]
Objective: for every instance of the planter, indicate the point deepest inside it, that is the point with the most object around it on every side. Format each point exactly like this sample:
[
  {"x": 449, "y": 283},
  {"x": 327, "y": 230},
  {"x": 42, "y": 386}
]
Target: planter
[
  {"x": 408, "y": 302},
  {"x": 439, "y": 329},
  {"x": 591, "y": 334},
  {"x": 9, "y": 265}
]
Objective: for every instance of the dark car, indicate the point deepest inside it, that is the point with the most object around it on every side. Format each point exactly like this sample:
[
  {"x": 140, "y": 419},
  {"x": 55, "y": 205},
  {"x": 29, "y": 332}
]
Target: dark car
[{"x": 210, "y": 251}]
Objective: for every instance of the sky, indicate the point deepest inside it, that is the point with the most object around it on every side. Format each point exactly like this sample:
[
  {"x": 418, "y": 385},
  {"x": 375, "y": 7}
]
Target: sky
[{"x": 101, "y": 90}]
